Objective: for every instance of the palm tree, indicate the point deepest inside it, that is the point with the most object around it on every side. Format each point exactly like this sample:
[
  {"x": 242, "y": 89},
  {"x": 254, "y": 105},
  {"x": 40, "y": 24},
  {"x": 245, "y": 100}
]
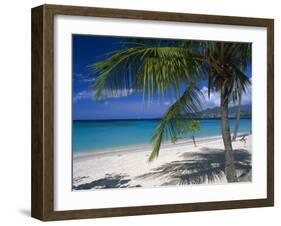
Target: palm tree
[
  {"x": 159, "y": 66},
  {"x": 245, "y": 54},
  {"x": 192, "y": 127},
  {"x": 237, "y": 124}
]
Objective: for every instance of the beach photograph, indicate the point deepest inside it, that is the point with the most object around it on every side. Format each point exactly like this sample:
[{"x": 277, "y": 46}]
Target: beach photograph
[{"x": 151, "y": 112}]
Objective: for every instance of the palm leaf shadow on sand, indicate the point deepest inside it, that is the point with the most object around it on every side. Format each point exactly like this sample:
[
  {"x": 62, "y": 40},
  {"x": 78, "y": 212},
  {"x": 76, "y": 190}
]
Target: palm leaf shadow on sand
[
  {"x": 109, "y": 181},
  {"x": 200, "y": 167}
]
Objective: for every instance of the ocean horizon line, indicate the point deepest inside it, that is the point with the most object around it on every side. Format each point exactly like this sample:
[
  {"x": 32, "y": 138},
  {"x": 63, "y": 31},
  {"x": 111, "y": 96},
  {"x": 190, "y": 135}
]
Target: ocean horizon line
[{"x": 144, "y": 119}]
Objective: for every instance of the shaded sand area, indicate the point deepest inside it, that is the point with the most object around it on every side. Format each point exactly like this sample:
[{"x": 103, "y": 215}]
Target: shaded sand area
[{"x": 177, "y": 164}]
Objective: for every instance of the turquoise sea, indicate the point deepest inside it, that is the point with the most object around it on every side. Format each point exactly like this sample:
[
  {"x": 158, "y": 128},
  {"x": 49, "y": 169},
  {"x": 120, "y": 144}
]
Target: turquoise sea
[{"x": 95, "y": 135}]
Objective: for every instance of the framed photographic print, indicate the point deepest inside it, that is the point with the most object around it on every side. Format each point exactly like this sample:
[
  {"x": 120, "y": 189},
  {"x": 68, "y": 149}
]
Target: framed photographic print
[{"x": 141, "y": 112}]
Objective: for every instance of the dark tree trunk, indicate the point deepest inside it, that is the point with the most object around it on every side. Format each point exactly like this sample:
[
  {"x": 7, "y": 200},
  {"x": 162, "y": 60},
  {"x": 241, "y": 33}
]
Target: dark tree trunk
[
  {"x": 193, "y": 139},
  {"x": 230, "y": 170},
  {"x": 237, "y": 118}
]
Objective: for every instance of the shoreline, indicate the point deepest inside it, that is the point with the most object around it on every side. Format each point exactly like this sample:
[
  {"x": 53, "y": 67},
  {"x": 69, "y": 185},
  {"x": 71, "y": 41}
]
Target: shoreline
[{"x": 141, "y": 147}]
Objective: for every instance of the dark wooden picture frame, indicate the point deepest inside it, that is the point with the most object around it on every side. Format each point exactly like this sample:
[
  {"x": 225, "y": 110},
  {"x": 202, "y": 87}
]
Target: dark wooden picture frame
[{"x": 42, "y": 203}]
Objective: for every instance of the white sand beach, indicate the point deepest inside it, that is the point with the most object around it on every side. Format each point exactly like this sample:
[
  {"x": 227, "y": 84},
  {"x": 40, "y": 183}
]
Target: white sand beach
[{"x": 177, "y": 164}]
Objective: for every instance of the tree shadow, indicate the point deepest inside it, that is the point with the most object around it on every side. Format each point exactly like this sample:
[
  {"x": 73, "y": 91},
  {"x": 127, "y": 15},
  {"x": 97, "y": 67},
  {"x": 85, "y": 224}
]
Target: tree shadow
[
  {"x": 201, "y": 167},
  {"x": 79, "y": 179},
  {"x": 109, "y": 181}
]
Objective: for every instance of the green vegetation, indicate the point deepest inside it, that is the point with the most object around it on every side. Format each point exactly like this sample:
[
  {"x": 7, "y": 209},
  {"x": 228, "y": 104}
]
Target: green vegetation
[{"x": 191, "y": 126}]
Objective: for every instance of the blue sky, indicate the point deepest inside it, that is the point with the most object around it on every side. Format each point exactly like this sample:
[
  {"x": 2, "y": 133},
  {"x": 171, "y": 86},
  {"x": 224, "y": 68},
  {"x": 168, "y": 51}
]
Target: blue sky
[{"x": 89, "y": 49}]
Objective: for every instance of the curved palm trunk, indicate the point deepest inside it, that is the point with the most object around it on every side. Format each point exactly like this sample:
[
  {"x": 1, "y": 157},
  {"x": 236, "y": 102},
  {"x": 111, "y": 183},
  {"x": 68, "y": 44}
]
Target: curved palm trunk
[
  {"x": 237, "y": 118},
  {"x": 230, "y": 170}
]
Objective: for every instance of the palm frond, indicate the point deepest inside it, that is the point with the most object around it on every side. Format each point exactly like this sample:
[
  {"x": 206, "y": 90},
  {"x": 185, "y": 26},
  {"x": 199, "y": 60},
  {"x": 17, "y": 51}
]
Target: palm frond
[
  {"x": 238, "y": 84},
  {"x": 188, "y": 104},
  {"x": 139, "y": 67}
]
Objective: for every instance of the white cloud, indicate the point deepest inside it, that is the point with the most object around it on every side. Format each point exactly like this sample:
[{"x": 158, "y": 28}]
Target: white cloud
[
  {"x": 247, "y": 96},
  {"x": 89, "y": 80},
  {"x": 107, "y": 94},
  {"x": 167, "y": 103},
  {"x": 214, "y": 99},
  {"x": 117, "y": 93},
  {"x": 83, "y": 95},
  {"x": 83, "y": 78}
]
